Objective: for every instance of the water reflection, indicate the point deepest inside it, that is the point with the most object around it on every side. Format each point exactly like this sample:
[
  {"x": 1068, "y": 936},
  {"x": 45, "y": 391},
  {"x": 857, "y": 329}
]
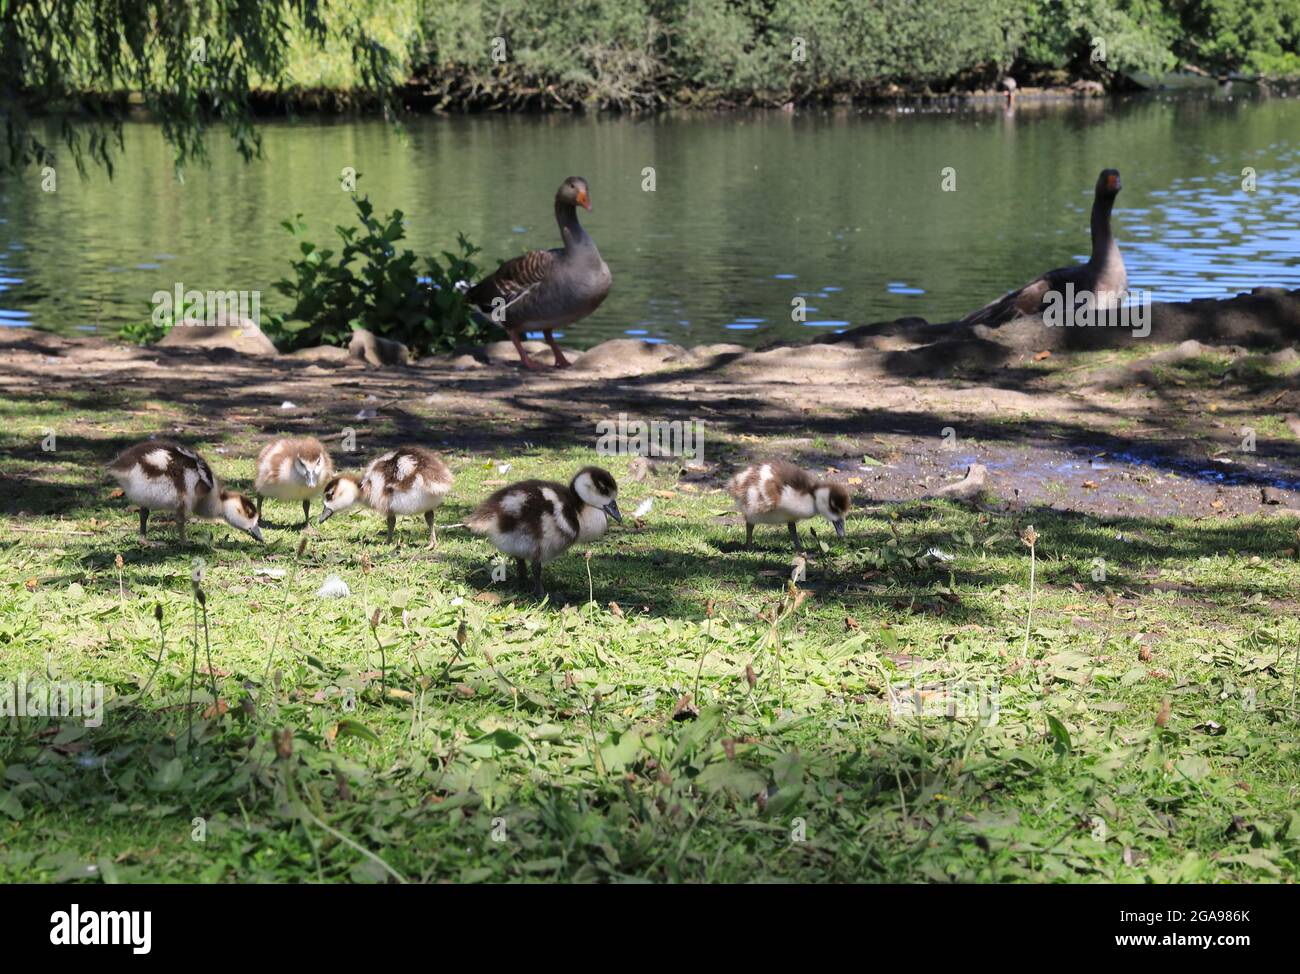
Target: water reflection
[{"x": 844, "y": 209}]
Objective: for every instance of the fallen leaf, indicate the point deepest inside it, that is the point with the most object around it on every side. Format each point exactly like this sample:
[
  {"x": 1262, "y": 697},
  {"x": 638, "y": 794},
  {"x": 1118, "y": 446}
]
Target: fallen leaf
[
  {"x": 1162, "y": 718},
  {"x": 1044, "y": 354},
  {"x": 216, "y": 709}
]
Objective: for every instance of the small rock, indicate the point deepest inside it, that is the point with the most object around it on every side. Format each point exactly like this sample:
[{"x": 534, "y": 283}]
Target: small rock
[
  {"x": 629, "y": 356},
  {"x": 642, "y": 469},
  {"x": 376, "y": 351},
  {"x": 225, "y": 332},
  {"x": 968, "y": 488},
  {"x": 1271, "y": 495}
]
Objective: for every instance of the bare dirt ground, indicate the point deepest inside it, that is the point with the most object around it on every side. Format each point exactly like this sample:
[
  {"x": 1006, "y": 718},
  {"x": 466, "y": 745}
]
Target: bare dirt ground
[{"x": 1196, "y": 419}]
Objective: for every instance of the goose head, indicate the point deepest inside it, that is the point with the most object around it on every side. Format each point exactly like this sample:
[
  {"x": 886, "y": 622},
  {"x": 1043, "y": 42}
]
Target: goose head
[
  {"x": 239, "y": 512},
  {"x": 596, "y": 488},
  {"x": 574, "y": 192},
  {"x": 310, "y": 471},
  {"x": 340, "y": 494},
  {"x": 1108, "y": 183},
  {"x": 832, "y": 503}
]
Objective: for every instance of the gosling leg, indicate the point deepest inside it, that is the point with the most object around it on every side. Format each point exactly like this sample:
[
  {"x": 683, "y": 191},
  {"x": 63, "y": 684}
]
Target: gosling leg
[
  {"x": 537, "y": 580},
  {"x": 794, "y": 537},
  {"x": 392, "y": 523},
  {"x": 433, "y": 531},
  {"x": 306, "y": 514}
]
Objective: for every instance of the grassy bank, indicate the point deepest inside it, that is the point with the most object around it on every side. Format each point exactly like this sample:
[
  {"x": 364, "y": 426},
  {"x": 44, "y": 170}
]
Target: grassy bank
[{"x": 1142, "y": 731}]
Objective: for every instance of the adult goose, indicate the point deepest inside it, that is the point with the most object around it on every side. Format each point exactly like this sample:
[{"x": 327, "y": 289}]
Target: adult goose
[
  {"x": 1103, "y": 276},
  {"x": 547, "y": 289}
]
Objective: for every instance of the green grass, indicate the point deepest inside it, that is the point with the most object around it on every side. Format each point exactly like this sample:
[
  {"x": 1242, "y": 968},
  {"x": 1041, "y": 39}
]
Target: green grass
[{"x": 540, "y": 743}]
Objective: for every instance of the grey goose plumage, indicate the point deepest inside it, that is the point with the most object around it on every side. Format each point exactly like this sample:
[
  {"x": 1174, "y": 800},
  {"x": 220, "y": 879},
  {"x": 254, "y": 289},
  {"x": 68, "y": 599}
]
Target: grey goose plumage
[
  {"x": 547, "y": 289},
  {"x": 1103, "y": 275}
]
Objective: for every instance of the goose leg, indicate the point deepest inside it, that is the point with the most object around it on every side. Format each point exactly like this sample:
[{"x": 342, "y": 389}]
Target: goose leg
[
  {"x": 794, "y": 536},
  {"x": 433, "y": 532},
  {"x": 537, "y": 580},
  {"x": 306, "y": 514},
  {"x": 392, "y": 523},
  {"x": 560, "y": 361},
  {"x": 523, "y": 356}
]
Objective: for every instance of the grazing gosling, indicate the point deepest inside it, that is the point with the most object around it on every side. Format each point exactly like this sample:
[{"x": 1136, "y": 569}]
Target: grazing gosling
[
  {"x": 777, "y": 492},
  {"x": 161, "y": 475},
  {"x": 409, "y": 480},
  {"x": 292, "y": 469},
  {"x": 537, "y": 520}
]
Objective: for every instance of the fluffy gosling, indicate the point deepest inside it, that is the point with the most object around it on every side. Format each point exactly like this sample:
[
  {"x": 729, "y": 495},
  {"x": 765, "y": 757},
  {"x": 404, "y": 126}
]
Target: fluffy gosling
[
  {"x": 161, "y": 475},
  {"x": 537, "y": 520},
  {"x": 778, "y": 492},
  {"x": 292, "y": 469},
  {"x": 407, "y": 481}
]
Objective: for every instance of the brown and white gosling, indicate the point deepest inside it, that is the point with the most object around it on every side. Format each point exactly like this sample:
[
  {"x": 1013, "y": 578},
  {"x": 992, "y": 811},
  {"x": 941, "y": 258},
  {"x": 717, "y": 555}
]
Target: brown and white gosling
[
  {"x": 407, "y": 481},
  {"x": 161, "y": 475},
  {"x": 292, "y": 469},
  {"x": 538, "y": 520},
  {"x": 778, "y": 492}
]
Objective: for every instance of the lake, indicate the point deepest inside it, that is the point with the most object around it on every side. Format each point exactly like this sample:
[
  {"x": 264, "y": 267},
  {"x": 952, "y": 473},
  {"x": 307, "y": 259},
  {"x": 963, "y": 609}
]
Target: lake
[{"x": 749, "y": 210}]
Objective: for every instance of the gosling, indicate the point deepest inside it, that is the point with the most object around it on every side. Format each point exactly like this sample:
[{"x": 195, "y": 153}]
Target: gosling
[
  {"x": 407, "y": 481},
  {"x": 293, "y": 469},
  {"x": 778, "y": 492},
  {"x": 161, "y": 475},
  {"x": 538, "y": 520}
]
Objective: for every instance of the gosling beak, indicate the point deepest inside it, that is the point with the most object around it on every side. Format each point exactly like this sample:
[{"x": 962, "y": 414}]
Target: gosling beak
[
  {"x": 612, "y": 510},
  {"x": 256, "y": 532},
  {"x": 325, "y": 514},
  {"x": 1114, "y": 183},
  {"x": 839, "y": 529},
  {"x": 584, "y": 200}
]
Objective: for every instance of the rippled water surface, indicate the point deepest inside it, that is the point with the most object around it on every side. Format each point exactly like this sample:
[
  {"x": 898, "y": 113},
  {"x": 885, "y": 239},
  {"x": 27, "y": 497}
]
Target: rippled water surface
[{"x": 749, "y": 211}]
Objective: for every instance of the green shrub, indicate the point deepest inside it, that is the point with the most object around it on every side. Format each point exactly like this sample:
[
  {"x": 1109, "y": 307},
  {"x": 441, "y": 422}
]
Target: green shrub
[
  {"x": 144, "y": 332},
  {"x": 372, "y": 284}
]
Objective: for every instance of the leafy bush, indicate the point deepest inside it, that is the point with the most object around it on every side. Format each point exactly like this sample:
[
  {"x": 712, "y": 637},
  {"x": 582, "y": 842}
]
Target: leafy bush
[{"x": 371, "y": 284}]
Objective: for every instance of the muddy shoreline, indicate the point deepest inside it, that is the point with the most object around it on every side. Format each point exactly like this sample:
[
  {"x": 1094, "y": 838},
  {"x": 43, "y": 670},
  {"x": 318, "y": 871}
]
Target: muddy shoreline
[{"x": 1092, "y": 421}]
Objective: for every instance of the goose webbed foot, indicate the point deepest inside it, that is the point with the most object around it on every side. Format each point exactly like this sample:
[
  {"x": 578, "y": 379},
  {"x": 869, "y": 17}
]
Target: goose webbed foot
[
  {"x": 560, "y": 361},
  {"x": 527, "y": 363}
]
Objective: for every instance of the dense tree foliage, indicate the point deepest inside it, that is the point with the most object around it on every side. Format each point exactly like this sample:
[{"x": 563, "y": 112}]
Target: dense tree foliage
[
  {"x": 191, "y": 64},
  {"x": 636, "y": 53},
  {"x": 197, "y": 63}
]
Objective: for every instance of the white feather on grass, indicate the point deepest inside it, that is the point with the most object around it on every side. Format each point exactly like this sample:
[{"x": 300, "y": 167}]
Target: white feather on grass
[{"x": 334, "y": 588}]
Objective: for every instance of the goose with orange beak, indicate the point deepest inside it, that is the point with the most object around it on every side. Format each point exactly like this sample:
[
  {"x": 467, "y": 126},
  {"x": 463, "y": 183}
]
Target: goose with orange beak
[{"x": 547, "y": 289}]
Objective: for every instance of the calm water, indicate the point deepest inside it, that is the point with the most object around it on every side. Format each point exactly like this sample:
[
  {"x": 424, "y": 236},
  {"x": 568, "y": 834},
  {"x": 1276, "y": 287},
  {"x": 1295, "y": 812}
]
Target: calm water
[{"x": 749, "y": 210}]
